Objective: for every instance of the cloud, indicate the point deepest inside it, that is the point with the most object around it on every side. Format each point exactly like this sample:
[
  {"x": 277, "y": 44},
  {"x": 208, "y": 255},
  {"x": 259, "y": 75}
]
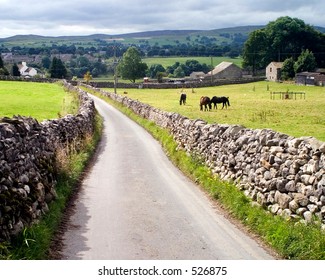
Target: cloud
[{"x": 115, "y": 17}]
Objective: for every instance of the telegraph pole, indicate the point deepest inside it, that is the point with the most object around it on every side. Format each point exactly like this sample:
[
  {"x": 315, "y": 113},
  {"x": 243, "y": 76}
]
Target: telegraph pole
[
  {"x": 212, "y": 69},
  {"x": 115, "y": 72}
]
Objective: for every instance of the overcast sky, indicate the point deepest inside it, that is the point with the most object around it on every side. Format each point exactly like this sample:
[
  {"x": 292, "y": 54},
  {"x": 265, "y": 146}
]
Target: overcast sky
[{"x": 85, "y": 17}]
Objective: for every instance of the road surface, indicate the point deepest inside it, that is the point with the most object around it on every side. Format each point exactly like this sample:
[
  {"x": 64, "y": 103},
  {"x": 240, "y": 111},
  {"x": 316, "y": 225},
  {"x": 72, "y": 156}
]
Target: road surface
[{"x": 134, "y": 204}]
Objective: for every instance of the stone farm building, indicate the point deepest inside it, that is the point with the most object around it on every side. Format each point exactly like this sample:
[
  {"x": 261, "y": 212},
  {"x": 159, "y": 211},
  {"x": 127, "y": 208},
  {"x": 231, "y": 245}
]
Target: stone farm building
[
  {"x": 273, "y": 71},
  {"x": 225, "y": 70},
  {"x": 310, "y": 79},
  {"x": 197, "y": 75}
]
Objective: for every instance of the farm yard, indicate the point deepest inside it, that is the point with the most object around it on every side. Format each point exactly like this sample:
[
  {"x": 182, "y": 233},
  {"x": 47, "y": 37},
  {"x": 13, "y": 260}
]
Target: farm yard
[{"x": 251, "y": 106}]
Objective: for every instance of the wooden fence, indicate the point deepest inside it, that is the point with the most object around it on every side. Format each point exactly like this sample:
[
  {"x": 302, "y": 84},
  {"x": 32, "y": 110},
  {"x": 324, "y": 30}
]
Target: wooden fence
[{"x": 288, "y": 95}]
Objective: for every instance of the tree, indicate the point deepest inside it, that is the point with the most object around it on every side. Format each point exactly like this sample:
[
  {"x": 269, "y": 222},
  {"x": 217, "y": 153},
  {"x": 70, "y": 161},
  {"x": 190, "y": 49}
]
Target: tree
[
  {"x": 287, "y": 70},
  {"x": 255, "y": 51},
  {"x": 88, "y": 77},
  {"x": 57, "y": 69},
  {"x": 154, "y": 69},
  {"x": 282, "y": 39},
  {"x": 3, "y": 69},
  {"x": 46, "y": 62},
  {"x": 131, "y": 67},
  {"x": 306, "y": 62},
  {"x": 179, "y": 72},
  {"x": 15, "y": 70},
  {"x": 1, "y": 63},
  {"x": 160, "y": 76}
]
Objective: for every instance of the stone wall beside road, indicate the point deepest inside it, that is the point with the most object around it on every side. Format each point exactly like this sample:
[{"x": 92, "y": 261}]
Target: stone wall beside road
[
  {"x": 28, "y": 162},
  {"x": 286, "y": 175}
]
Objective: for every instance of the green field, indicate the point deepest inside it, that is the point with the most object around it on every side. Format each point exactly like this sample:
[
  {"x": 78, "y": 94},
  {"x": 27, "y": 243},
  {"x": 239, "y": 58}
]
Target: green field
[
  {"x": 169, "y": 61},
  {"x": 38, "y": 100},
  {"x": 251, "y": 106}
]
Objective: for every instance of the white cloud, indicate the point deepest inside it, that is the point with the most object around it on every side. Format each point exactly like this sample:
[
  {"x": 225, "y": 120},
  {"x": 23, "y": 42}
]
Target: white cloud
[{"x": 80, "y": 17}]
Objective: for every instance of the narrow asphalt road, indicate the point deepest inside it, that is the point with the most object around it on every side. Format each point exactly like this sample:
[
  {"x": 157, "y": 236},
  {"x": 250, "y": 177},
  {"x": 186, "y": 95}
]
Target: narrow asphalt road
[{"x": 134, "y": 204}]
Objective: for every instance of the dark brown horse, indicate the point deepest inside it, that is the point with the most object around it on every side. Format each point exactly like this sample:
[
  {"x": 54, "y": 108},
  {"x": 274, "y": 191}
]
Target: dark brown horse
[
  {"x": 224, "y": 100},
  {"x": 182, "y": 99},
  {"x": 206, "y": 102}
]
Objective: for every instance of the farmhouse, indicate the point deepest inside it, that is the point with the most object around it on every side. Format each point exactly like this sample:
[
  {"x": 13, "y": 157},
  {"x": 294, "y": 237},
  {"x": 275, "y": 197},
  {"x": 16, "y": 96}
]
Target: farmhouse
[
  {"x": 310, "y": 79},
  {"x": 26, "y": 71},
  {"x": 273, "y": 71},
  {"x": 225, "y": 70}
]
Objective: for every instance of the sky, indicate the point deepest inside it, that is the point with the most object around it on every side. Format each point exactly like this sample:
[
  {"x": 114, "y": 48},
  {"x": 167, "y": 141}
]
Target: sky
[{"x": 112, "y": 17}]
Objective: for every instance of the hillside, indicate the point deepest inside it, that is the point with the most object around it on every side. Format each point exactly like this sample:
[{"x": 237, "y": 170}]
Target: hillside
[
  {"x": 224, "y": 35},
  {"x": 160, "y": 37}
]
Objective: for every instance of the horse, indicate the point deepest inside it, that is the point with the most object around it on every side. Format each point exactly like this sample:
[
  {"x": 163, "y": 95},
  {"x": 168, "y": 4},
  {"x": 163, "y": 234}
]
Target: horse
[
  {"x": 182, "y": 99},
  {"x": 206, "y": 102},
  {"x": 224, "y": 100}
]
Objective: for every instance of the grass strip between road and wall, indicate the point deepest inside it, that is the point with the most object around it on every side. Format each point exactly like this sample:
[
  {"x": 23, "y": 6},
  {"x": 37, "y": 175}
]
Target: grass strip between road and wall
[{"x": 291, "y": 240}]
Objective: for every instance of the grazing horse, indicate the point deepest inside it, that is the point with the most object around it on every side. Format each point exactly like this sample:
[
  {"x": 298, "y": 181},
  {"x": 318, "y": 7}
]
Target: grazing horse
[
  {"x": 182, "y": 99},
  {"x": 206, "y": 102},
  {"x": 224, "y": 100}
]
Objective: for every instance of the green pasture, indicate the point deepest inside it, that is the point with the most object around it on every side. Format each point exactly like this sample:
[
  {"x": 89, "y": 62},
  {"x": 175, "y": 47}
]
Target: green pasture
[
  {"x": 38, "y": 100},
  {"x": 169, "y": 61},
  {"x": 251, "y": 106}
]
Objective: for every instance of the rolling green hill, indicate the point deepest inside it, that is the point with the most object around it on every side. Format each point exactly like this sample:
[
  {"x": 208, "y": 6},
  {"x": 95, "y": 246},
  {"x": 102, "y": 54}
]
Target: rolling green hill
[
  {"x": 221, "y": 36},
  {"x": 224, "y": 36}
]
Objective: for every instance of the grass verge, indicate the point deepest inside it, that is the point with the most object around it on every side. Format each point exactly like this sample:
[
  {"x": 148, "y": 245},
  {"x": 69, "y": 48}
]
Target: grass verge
[
  {"x": 35, "y": 241},
  {"x": 290, "y": 240}
]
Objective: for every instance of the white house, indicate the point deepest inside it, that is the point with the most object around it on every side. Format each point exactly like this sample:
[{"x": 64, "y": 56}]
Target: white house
[{"x": 26, "y": 71}]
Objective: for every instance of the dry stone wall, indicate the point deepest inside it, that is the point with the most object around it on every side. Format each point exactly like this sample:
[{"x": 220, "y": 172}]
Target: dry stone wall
[
  {"x": 284, "y": 174},
  {"x": 28, "y": 164}
]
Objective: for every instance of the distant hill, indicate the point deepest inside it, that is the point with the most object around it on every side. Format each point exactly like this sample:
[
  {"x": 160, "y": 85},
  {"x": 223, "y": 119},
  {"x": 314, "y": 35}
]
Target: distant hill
[
  {"x": 222, "y": 36},
  {"x": 159, "y": 36},
  {"x": 320, "y": 29}
]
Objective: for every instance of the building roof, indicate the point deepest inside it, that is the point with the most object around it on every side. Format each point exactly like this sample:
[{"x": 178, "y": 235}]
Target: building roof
[
  {"x": 276, "y": 64},
  {"x": 309, "y": 74},
  {"x": 221, "y": 67}
]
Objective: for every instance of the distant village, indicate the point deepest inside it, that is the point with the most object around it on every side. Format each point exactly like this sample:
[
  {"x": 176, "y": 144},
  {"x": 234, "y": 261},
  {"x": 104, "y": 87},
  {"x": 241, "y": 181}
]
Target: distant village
[
  {"x": 27, "y": 63},
  {"x": 225, "y": 70}
]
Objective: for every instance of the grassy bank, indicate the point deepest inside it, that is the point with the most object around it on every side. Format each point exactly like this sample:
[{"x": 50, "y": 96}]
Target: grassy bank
[
  {"x": 289, "y": 240},
  {"x": 251, "y": 106}
]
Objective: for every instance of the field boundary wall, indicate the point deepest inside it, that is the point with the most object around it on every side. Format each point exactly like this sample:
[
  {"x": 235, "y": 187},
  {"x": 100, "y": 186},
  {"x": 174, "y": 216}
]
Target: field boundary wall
[
  {"x": 284, "y": 174},
  {"x": 28, "y": 162},
  {"x": 166, "y": 85}
]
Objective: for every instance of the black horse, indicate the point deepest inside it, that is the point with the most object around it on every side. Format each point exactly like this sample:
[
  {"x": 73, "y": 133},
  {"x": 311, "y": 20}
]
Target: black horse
[
  {"x": 224, "y": 100},
  {"x": 182, "y": 99},
  {"x": 206, "y": 102}
]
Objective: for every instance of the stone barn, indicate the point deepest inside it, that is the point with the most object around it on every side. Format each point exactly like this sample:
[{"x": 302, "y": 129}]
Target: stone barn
[
  {"x": 197, "y": 75},
  {"x": 225, "y": 70},
  {"x": 273, "y": 71},
  {"x": 310, "y": 79}
]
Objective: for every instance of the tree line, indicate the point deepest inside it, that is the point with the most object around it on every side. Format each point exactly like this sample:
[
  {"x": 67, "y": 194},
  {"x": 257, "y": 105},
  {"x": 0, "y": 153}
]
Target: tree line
[{"x": 288, "y": 40}]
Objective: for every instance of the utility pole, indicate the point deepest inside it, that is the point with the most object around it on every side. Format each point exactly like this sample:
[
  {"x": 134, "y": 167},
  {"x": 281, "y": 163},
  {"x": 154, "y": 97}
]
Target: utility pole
[
  {"x": 212, "y": 69},
  {"x": 115, "y": 69}
]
